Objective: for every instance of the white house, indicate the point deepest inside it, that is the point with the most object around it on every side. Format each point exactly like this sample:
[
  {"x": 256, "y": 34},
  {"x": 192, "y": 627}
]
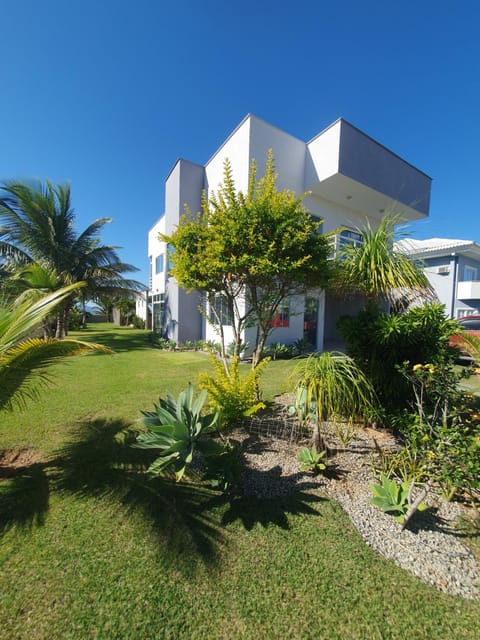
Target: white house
[
  {"x": 453, "y": 269},
  {"x": 348, "y": 177}
]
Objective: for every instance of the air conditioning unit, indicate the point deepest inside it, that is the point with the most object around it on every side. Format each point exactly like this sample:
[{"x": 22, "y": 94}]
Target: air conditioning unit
[{"x": 443, "y": 270}]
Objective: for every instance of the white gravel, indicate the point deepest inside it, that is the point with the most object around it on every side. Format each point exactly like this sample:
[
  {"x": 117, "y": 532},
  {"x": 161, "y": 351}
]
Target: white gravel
[{"x": 430, "y": 547}]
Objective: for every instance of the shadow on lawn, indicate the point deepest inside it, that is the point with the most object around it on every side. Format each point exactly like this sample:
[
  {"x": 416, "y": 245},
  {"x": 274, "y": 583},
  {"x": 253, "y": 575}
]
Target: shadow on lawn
[
  {"x": 251, "y": 511},
  {"x": 190, "y": 519},
  {"x": 117, "y": 339},
  {"x": 99, "y": 461},
  {"x": 24, "y": 498}
]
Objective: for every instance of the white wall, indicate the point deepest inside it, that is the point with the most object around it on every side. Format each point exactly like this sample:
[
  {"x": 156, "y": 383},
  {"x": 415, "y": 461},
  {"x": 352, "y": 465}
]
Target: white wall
[
  {"x": 236, "y": 149},
  {"x": 155, "y": 248}
]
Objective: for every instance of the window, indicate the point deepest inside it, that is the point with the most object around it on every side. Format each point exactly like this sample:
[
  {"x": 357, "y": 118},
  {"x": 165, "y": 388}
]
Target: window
[
  {"x": 219, "y": 311},
  {"x": 346, "y": 237},
  {"x": 282, "y": 317},
  {"x": 158, "y": 302},
  {"x": 349, "y": 237},
  {"x": 159, "y": 262},
  {"x": 469, "y": 274}
]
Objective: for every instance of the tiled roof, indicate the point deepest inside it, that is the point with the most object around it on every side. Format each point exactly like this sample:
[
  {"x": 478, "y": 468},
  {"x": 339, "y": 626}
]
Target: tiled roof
[{"x": 434, "y": 245}]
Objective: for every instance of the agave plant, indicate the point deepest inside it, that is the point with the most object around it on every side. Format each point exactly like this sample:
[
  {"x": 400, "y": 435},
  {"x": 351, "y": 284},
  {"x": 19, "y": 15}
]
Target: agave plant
[
  {"x": 394, "y": 498},
  {"x": 311, "y": 460},
  {"x": 24, "y": 359},
  {"x": 176, "y": 428}
]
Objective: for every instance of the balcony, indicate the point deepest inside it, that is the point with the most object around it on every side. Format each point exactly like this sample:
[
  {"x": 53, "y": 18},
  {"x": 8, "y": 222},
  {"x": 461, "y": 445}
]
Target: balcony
[
  {"x": 469, "y": 290},
  {"x": 347, "y": 167}
]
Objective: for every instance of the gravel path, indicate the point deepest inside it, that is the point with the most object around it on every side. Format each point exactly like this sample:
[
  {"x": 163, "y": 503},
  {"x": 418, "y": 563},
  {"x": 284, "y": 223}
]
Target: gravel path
[{"x": 429, "y": 547}]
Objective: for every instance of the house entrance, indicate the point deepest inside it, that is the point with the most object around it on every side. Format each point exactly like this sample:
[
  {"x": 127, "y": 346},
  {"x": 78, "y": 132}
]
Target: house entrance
[{"x": 310, "y": 321}]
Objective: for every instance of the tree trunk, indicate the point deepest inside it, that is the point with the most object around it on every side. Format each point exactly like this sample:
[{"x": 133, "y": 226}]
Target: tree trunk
[
  {"x": 318, "y": 440},
  {"x": 62, "y": 321}
]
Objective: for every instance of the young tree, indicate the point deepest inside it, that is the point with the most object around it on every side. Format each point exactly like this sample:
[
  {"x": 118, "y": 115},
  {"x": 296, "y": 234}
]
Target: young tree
[{"x": 254, "y": 249}]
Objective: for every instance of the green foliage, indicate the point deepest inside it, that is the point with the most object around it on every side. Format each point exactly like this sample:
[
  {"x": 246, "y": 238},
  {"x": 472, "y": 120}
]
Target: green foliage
[
  {"x": 405, "y": 464},
  {"x": 24, "y": 360},
  {"x": 330, "y": 386},
  {"x": 445, "y": 433},
  {"x": 278, "y": 351},
  {"x": 224, "y": 470},
  {"x": 376, "y": 269},
  {"x": 232, "y": 393},
  {"x": 345, "y": 432},
  {"x": 311, "y": 460},
  {"x": 75, "y": 319},
  {"x": 391, "y": 497},
  {"x": 138, "y": 323},
  {"x": 38, "y": 228},
  {"x": 302, "y": 346},
  {"x": 259, "y": 247},
  {"x": 176, "y": 429},
  {"x": 379, "y": 343},
  {"x": 162, "y": 343}
]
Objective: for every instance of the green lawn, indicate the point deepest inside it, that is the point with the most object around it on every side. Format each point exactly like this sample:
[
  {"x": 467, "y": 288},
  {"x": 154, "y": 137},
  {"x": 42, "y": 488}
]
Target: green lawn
[{"x": 90, "y": 549}]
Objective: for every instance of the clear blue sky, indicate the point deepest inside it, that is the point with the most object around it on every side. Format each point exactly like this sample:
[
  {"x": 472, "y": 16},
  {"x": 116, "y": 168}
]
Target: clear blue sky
[{"x": 107, "y": 94}]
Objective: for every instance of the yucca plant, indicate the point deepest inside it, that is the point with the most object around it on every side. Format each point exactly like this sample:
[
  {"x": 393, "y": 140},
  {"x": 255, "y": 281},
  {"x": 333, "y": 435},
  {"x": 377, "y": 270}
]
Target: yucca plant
[
  {"x": 176, "y": 428},
  {"x": 24, "y": 359},
  {"x": 330, "y": 386},
  {"x": 376, "y": 269}
]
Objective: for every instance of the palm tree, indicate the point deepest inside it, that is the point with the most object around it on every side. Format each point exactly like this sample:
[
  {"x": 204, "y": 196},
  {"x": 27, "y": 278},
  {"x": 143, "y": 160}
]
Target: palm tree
[
  {"x": 23, "y": 358},
  {"x": 37, "y": 226},
  {"x": 376, "y": 270}
]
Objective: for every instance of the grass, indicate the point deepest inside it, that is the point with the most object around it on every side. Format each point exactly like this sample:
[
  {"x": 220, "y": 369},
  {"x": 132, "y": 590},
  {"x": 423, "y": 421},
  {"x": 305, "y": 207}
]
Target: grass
[{"x": 91, "y": 549}]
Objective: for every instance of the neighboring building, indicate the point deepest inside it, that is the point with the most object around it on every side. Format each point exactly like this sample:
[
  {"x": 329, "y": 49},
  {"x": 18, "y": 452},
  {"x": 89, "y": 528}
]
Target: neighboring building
[
  {"x": 453, "y": 269},
  {"x": 348, "y": 177}
]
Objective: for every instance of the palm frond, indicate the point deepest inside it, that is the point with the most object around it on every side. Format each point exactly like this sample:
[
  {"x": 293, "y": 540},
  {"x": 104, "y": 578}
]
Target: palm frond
[{"x": 24, "y": 367}]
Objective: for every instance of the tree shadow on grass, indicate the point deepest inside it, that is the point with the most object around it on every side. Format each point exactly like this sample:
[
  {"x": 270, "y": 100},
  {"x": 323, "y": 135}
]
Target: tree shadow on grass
[
  {"x": 252, "y": 511},
  {"x": 117, "y": 339},
  {"x": 24, "y": 498},
  {"x": 100, "y": 461}
]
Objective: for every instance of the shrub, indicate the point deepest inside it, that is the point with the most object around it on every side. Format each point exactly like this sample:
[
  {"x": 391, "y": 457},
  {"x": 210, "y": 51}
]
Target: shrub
[
  {"x": 278, "y": 351},
  {"x": 379, "y": 343},
  {"x": 330, "y": 386},
  {"x": 138, "y": 323},
  {"x": 224, "y": 470},
  {"x": 445, "y": 432},
  {"x": 311, "y": 460},
  {"x": 232, "y": 394},
  {"x": 176, "y": 429}
]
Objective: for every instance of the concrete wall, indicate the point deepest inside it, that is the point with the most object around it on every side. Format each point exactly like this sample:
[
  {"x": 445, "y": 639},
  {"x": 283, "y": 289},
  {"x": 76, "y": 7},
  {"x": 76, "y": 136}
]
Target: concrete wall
[
  {"x": 445, "y": 284},
  {"x": 236, "y": 149},
  {"x": 371, "y": 164}
]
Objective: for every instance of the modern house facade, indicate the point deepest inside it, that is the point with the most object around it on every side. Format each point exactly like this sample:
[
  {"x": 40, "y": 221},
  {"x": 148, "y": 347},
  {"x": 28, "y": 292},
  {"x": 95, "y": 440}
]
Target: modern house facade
[
  {"x": 348, "y": 178},
  {"x": 453, "y": 269}
]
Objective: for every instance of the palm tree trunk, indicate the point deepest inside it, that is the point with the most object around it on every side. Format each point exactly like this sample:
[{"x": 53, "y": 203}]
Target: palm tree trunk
[{"x": 62, "y": 321}]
